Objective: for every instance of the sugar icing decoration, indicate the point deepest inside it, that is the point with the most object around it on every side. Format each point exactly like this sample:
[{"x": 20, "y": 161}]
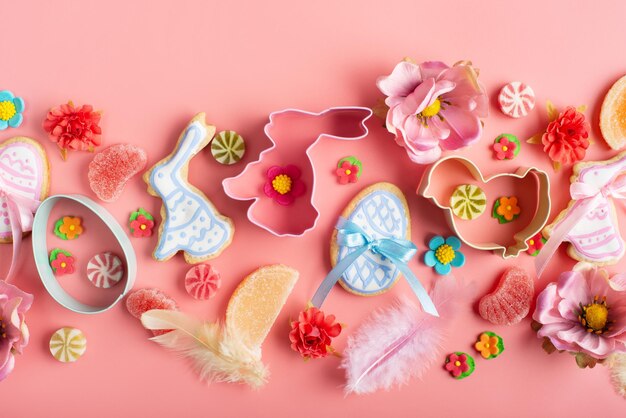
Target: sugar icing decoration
[
  {"x": 11, "y": 109},
  {"x": 68, "y": 344},
  {"x": 105, "y": 270},
  {"x": 62, "y": 262},
  {"x": 228, "y": 147},
  {"x": 349, "y": 170},
  {"x": 535, "y": 244},
  {"x": 506, "y": 209},
  {"x": 460, "y": 365},
  {"x": 73, "y": 127},
  {"x": 141, "y": 223},
  {"x": 190, "y": 223},
  {"x": 443, "y": 254},
  {"x": 468, "y": 201},
  {"x": 506, "y": 147},
  {"x": 202, "y": 281},
  {"x": 489, "y": 345},
  {"x": 68, "y": 227},
  {"x": 516, "y": 99},
  {"x": 283, "y": 184}
]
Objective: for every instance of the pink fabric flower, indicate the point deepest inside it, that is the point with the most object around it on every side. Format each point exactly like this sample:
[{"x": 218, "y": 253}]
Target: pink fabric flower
[
  {"x": 142, "y": 227},
  {"x": 347, "y": 173},
  {"x": 504, "y": 149},
  {"x": 584, "y": 312},
  {"x": 63, "y": 264},
  {"x": 14, "y": 335},
  {"x": 283, "y": 184},
  {"x": 433, "y": 107}
]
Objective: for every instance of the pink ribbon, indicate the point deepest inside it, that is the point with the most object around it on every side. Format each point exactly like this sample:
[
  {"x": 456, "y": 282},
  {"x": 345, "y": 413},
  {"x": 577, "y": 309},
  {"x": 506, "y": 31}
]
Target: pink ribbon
[
  {"x": 20, "y": 210},
  {"x": 587, "y": 197}
]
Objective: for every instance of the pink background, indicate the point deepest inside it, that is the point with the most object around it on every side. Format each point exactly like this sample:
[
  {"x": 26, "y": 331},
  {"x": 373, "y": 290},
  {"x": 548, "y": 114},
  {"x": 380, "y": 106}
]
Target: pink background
[{"x": 151, "y": 68}]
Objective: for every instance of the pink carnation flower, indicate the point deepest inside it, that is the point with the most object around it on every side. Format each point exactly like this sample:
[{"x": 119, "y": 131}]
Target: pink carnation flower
[
  {"x": 433, "y": 107},
  {"x": 584, "y": 312},
  {"x": 14, "y": 304}
]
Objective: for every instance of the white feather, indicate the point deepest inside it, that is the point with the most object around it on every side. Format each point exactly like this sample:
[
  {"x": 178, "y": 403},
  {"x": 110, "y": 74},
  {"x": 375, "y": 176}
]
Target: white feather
[
  {"x": 617, "y": 363},
  {"x": 215, "y": 353},
  {"x": 400, "y": 342}
]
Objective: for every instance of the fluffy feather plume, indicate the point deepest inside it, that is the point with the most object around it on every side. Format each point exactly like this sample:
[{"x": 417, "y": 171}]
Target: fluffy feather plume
[
  {"x": 617, "y": 363},
  {"x": 400, "y": 342},
  {"x": 215, "y": 352}
]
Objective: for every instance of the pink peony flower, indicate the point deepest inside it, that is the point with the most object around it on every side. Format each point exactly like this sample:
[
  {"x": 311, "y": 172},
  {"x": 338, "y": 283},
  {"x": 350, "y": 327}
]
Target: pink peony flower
[
  {"x": 14, "y": 304},
  {"x": 584, "y": 311},
  {"x": 433, "y": 107}
]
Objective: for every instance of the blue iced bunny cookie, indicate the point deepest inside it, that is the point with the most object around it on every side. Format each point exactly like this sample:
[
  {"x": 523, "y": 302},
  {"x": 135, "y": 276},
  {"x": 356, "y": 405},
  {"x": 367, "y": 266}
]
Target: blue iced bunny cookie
[
  {"x": 381, "y": 211},
  {"x": 190, "y": 221}
]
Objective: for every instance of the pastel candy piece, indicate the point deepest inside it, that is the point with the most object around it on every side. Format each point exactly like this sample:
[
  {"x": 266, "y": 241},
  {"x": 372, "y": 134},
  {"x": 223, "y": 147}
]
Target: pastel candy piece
[
  {"x": 510, "y": 302},
  {"x": 202, "y": 281},
  {"x": 105, "y": 270},
  {"x": 516, "y": 99},
  {"x": 468, "y": 201},
  {"x": 228, "y": 147},
  {"x": 382, "y": 212},
  {"x": 190, "y": 223},
  {"x": 111, "y": 168},
  {"x": 613, "y": 115},
  {"x": 24, "y": 171},
  {"x": 68, "y": 344},
  {"x": 144, "y": 300}
]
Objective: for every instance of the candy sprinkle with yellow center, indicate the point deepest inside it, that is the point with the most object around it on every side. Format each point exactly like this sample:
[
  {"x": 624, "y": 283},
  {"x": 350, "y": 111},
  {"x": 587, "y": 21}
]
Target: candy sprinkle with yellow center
[
  {"x": 282, "y": 183},
  {"x": 7, "y": 110},
  {"x": 432, "y": 110},
  {"x": 444, "y": 254}
]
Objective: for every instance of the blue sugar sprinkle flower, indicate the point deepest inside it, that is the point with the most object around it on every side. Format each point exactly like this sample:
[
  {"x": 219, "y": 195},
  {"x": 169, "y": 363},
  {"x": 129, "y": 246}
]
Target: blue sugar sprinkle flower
[
  {"x": 444, "y": 254},
  {"x": 11, "y": 109}
]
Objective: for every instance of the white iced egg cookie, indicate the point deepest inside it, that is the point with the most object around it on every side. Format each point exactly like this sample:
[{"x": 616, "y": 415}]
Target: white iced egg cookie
[{"x": 381, "y": 211}]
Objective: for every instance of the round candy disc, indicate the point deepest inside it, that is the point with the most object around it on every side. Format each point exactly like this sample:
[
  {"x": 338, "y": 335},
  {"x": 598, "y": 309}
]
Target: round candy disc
[
  {"x": 202, "y": 281},
  {"x": 516, "y": 99},
  {"x": 105, "y": 270},
  {"x": 228, "y": 147},
  {"x": 468, "y": 201},
  {"x": 68, "y": 344}
]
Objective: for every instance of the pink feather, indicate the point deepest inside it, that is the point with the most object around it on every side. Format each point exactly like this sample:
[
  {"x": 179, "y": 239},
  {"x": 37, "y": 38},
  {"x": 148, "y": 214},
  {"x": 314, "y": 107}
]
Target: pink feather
[{"x": 400, "y": 342}]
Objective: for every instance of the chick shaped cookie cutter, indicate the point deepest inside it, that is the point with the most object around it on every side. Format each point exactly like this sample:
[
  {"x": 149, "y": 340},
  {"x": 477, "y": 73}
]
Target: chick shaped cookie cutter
[
  {"x": 40, "y": 253},
  {"x": 293, "y": 134},
  {"x": 529, "y": 184}
]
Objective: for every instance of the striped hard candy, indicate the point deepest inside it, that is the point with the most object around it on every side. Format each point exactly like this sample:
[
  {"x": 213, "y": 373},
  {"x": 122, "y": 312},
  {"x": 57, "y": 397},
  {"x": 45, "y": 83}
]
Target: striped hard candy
[
  {"x": 105, "y": 270},
  {"x": 202, "y": 281},
  {"x": 228, "y": 147},
  {"x": 468, "y": 201},
  {"x": 516, "y": 99},
  {"x": 68, "y": 344}
]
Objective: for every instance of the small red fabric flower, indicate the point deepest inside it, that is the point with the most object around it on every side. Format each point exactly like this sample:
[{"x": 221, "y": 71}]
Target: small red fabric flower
[
  {"x": 63, "y": 264},
  {"x": 142, "y": 227},
  {"x": 347, "y": 173},
  {"x": 567, "y": 137},
  {"x": 311, "y": 335},
  {"x": 73, "y": 128},
  {"x": 505, "y": 149},
  {"x": 283, "y": 184}
]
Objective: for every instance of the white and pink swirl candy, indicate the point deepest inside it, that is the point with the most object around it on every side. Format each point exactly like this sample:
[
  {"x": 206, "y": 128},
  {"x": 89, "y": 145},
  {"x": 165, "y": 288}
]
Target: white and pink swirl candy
[
  {"x": 516, "y": 99},
  {"x": 202, "y": 281},
  {"x": 105, "y": 270}
]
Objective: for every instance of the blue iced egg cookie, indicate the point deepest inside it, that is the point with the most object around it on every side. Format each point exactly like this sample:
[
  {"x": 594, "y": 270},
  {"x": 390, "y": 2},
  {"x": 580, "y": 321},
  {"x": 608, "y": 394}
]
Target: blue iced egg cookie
[{"x": 381, "y": 211}]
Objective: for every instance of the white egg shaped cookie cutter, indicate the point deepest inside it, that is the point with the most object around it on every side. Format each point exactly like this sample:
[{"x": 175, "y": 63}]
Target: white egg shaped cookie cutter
[{"x": 40, "y": 253}]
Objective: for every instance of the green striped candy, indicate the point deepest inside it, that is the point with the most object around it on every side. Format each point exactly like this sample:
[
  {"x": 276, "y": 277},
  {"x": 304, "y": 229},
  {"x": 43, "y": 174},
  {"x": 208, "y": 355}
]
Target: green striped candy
[
  {"x": 468, "y": 201},
  {"x": 228, "y": 147}
]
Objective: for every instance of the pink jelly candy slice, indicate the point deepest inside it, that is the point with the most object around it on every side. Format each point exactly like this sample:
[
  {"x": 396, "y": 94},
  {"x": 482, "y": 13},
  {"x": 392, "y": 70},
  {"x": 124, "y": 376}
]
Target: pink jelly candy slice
[
  {"x": 143, "y": 300},
  {"x": 202, "y": 281},
  {"x": 510, "y": 302},
  {"x": 111, "y": 168}
]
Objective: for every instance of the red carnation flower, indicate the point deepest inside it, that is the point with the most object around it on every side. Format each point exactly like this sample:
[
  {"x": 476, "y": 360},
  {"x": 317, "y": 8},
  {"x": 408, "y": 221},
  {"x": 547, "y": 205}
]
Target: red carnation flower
[
  {"x": 73, "y": 128},
  {"x": 567, "y": 137},
  {"x": 311, "y": 335}
]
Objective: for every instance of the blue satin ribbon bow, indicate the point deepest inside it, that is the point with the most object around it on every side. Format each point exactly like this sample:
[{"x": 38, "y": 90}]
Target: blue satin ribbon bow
[{"x": 399, "y": 251}]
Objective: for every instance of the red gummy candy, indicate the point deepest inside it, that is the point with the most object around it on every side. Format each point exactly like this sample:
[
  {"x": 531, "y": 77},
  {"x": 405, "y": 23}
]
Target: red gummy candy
[
  {"x": 510, "y": 302},
  {"x": 143, "y": 300},
  {"x": 111, "y": 168}
]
